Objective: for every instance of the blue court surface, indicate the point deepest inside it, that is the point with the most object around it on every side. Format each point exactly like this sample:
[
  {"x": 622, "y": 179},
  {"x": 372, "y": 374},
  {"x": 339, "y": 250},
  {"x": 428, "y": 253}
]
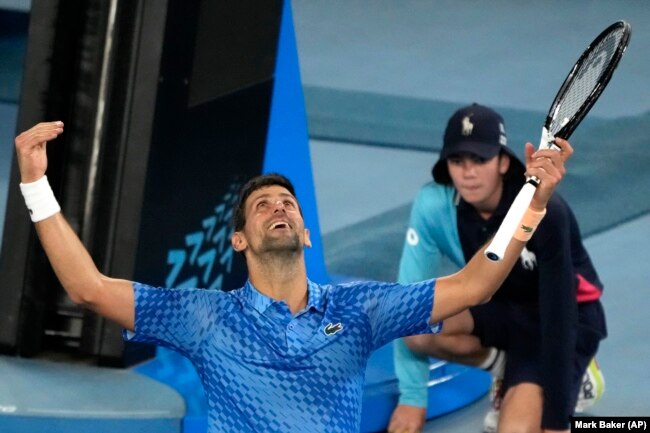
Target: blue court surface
[{"x": 380, "y": 79}]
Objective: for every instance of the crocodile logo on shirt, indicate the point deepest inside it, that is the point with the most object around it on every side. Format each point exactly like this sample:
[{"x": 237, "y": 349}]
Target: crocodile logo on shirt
[{"x": 332, "y": 328}]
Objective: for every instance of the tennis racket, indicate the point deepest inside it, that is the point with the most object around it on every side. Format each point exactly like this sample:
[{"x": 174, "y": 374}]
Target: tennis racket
[{"x": 579, "y": 92}]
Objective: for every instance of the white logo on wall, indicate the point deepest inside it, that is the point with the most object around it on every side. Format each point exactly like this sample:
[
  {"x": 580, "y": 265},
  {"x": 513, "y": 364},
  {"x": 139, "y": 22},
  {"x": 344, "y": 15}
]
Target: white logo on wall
[
  {"x": 206, "y": 257},
  {"x": 468, "y": 126},
  {"x": 412, "y": 237}
]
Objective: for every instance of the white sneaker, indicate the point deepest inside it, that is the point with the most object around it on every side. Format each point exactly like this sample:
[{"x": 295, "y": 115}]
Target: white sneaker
[
  {"x": 592, "y": 388},
  {"x": 491, "y": 420}
]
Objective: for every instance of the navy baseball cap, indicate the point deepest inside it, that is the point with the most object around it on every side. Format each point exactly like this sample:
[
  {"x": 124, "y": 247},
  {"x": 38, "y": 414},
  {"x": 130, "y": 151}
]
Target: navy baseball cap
[{"x": 478, "y": 130}]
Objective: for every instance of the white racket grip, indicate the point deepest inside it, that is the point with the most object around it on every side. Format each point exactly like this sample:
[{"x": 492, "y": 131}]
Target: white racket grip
[
  {"x": 546, "y": 142},
  {"x": 497, "y": 248}
]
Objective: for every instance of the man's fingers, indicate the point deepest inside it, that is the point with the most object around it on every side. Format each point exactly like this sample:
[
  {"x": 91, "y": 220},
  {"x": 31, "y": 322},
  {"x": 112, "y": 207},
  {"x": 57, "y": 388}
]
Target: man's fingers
[
  {"x": 549, "y": 171},
  {"x": 31, "y": 149},
  {"x": 549, "y": 163},
  {"x": 48, "y": 125},
  {"x": 545, "y": 170},
  {"x": 39, "y": 134},
  {"x": 39, "y": 137},
  {"x": 565, "y": 148}
]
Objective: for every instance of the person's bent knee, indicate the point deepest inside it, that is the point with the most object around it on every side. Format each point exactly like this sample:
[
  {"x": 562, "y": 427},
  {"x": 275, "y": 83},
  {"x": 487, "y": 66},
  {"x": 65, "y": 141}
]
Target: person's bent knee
[
  {"x": 419, "y": 343},
  {"x": 438, "y": 346}
]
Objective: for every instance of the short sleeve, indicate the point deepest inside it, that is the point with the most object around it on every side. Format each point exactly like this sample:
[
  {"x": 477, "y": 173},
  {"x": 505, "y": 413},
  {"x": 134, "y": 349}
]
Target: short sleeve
[
  {"x": 397, "y": 310},
  {"x": 174, "y": 318}
]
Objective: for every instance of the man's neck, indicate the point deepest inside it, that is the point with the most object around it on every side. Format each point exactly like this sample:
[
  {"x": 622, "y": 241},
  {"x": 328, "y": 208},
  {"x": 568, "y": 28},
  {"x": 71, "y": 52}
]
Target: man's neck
[{"x": 281, "y": 279}]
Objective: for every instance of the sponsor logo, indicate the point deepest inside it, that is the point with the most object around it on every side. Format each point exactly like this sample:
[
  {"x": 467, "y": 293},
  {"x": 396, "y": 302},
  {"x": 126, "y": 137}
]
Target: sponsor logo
[
  {"x": 468, "y": 126},
  {"x": 332, "y": 328},
  {"x": 503, "y": 140},
  {"x": 412, "y": 237},
  {"x": 528, "y": 259},
  {"x": 526, "y": 229}
]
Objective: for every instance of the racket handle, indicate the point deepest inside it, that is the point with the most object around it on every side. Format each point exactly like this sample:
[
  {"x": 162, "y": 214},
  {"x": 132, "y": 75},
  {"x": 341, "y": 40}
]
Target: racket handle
[
  {"x": 547, "y": 140},
  {"x": 497, "y": 248}
]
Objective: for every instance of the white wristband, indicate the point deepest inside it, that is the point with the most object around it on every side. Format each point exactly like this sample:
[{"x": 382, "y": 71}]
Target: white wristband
[{"x": 39, "y": 199}]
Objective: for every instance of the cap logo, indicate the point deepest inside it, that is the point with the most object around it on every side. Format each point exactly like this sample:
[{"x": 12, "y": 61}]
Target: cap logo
[
  {"x": 503, "y": 141},
  {"x": 468, "y": 126}
]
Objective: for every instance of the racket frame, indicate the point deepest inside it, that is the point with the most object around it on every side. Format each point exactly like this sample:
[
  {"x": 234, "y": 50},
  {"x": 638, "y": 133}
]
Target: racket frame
[{"x": 495, "y": 251}]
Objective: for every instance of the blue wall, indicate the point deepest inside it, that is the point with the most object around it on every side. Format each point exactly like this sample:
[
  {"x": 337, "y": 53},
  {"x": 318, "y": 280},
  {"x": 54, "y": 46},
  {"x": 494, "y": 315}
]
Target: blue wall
[{"x": 287, "y": 147}]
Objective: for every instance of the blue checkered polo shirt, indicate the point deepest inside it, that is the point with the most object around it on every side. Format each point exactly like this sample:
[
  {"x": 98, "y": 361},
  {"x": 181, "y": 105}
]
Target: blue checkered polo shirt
[{"x": 266, "y": 370}]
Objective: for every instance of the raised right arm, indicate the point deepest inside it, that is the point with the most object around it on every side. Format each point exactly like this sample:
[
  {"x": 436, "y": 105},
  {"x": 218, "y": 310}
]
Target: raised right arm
[
  {"x": 480, "y": 278},
  {"x": 109, "y": 297}
]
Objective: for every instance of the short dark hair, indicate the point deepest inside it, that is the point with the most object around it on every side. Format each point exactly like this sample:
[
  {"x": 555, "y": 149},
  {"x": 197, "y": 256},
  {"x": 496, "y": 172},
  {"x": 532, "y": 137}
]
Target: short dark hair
[{"x": 270, "y": 179}]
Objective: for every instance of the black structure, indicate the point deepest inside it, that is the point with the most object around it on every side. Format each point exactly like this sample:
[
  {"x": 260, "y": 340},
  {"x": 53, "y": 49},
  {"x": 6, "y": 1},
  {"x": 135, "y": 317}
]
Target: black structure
[{"x": 166, "y": 106}]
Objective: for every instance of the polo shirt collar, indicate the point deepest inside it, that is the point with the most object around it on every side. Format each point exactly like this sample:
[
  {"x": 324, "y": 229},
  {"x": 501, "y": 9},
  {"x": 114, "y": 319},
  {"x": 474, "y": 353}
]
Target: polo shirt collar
[
  {"x": 261, "y": 302},
  {"x": 316, "y": 298}
]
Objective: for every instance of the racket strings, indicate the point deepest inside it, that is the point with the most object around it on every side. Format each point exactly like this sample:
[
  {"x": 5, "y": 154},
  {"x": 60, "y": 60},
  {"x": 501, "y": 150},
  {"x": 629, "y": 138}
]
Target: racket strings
[{"x": 586, "y": 79}]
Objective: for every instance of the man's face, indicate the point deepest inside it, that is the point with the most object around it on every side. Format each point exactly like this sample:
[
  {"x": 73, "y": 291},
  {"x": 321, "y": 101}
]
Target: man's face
[
  {"x": 273, "y": 223},
  {"x": 478, "y": 181}
]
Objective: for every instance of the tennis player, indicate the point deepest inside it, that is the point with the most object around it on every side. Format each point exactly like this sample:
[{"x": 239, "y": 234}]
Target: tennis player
[
  {"x": 282, "y": 353},
  {"x": 543, "y": 326}
]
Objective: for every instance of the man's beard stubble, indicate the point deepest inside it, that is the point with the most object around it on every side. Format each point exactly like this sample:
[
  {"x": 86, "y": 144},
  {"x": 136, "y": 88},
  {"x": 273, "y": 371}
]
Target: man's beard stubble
[{"x": 281, "y": 248}]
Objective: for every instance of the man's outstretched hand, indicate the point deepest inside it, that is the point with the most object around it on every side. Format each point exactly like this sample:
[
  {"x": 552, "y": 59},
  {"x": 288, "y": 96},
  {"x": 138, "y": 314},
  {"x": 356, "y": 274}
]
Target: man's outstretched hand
[
  {"x": 31, "y": 149},
  {"x": 548, "y": 166}
]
